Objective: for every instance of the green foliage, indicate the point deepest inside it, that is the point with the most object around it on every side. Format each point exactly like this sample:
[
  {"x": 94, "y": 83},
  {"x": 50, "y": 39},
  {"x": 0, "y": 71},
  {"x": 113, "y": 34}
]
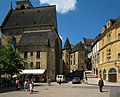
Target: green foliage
[{"x": 10, "y": 60}]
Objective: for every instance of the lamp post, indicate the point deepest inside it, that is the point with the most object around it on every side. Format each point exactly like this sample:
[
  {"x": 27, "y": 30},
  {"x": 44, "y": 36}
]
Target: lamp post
[{"x": 117, "y": 67}]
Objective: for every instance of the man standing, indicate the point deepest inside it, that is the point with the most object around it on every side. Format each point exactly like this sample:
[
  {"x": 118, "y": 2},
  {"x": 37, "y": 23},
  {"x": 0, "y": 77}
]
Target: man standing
[{"x": 101, "y": 84}]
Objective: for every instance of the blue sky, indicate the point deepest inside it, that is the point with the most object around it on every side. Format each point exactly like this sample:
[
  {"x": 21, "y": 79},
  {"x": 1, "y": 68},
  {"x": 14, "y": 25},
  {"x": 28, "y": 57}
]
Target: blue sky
[{"x": 76, "y": 18}]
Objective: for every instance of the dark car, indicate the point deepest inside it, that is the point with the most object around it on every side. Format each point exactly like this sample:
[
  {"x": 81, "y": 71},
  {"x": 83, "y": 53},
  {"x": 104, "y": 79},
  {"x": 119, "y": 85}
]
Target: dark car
[{"x": 76, "y": 80}]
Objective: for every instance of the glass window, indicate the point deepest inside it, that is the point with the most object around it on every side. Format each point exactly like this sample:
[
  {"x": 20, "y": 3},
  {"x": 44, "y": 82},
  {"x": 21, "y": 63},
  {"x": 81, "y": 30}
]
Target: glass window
[
  {"x": 108, "y": 54},
  {"x": 109, "y": 38},
  {"x": 71, "y": 62},
  {"x": 25, "y": 54},
  {"x": 119, "y": 56},
  {"x": 37, "y": 65},
  {"x": 31, "y": 64},
  {"x": 38, "y": 54},
  {"x": 119, "y": 36},
  {"x": 31, "y": 53}
]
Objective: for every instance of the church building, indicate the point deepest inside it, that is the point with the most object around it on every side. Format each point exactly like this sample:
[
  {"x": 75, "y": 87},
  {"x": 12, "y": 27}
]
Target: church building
[{"x": 35, "y": 32}]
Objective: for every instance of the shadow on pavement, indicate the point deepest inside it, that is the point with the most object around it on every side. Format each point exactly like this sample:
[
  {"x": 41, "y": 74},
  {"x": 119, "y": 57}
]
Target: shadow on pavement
[
  {"x": 105, "y": 91},
  {"x": 35, "y": 92},
  {"x": 7, "y": 89}
]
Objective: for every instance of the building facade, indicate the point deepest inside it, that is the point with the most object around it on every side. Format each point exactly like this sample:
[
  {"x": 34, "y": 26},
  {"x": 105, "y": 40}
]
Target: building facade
[
  {"x": 74, "y": 57},
  {"x": 36, "y": 38},
  {"x": 95, "y": 55},
  {"x": 109, "y": 66}
]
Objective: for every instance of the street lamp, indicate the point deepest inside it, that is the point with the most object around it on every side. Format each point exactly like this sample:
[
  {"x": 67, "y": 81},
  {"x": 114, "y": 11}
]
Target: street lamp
[{"x": 117, "y": 67}]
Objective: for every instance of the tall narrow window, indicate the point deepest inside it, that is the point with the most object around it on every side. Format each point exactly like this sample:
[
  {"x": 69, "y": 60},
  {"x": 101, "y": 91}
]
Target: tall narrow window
[
  {"x": 31, "y": 64},
  {"x": 119, "y": 36},
  {"x": 108, "y": 54},
  {"x": 38, "y": 54},
  {"x": 31, "y": 53},
  {"x": 37, "y": 65},
  {"x": 109, "y": 38},
  {"x": 74, "y": 62},
  {"x": 25, "y": 54}
]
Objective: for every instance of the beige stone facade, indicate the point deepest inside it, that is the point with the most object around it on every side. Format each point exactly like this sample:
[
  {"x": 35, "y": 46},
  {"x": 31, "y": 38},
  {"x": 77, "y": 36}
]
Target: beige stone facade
[
  {"x": 73, "y": 57},
  {"x": 37, "y": 39},
  {"x": 109, "y": 67},
  {"x": 77, "y": 61}
]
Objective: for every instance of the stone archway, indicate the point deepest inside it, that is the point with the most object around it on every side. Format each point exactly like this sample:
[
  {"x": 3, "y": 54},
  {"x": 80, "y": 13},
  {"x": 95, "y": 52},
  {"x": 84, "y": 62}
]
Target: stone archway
[
  {"x": 112, "y": 75},
  {"x": 104, "y": 74}
]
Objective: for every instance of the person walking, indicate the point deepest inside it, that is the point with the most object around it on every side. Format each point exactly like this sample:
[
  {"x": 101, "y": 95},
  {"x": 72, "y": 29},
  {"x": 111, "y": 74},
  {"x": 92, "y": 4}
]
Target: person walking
[
  {"x": 101, "y": 84},
  {"x": 86, "y": 78},
  {"x": 60, "y": 81},
  {"x": 17, "y": 84},
  {"x": 49, "y": 81},
  {"x": 31, "y": 87},
  {"x": 25, "y": 85}
]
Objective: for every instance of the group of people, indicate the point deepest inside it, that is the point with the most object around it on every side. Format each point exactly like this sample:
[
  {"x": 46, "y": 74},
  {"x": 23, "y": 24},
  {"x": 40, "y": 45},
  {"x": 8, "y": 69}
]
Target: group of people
[{"x": 25, "y": 85}]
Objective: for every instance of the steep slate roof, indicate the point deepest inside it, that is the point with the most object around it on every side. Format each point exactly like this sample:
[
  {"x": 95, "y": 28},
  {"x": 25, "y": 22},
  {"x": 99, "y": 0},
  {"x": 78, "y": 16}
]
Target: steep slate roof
[
  {"x": 67, "y": 44},
  {"x": 78, "y": 47},
  {"x": 35, "y": 39},
  {"x": 87, "y": 41},
  {"x": 38, "y": 16}
]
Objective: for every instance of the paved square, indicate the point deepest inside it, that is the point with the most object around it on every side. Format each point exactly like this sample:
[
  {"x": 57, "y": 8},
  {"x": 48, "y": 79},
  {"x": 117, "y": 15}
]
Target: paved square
[{"x": 56, "y": 90}]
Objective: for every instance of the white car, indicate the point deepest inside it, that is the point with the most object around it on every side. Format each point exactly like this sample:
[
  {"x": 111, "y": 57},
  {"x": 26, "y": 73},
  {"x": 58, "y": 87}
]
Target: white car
[{"x": 60, "y": 78}]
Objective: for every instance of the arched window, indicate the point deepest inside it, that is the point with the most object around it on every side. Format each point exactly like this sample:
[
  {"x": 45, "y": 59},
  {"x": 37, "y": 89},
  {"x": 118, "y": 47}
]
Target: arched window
[
  {"x": 112, "y": 75},
  {"x": 112, "y": 71}
]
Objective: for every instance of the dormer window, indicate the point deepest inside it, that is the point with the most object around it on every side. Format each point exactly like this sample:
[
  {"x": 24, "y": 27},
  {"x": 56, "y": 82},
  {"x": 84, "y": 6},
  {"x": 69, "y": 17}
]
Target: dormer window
[
  {"x": 103, "y": 29},
  {"x": 108, "y": 24}
]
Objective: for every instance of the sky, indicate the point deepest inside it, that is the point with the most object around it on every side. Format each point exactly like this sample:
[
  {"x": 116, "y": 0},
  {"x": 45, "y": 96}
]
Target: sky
[{"x": 75, "y": 18}]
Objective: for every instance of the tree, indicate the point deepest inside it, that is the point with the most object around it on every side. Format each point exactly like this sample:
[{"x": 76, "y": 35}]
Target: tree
[{"x": 11, "y": 61}]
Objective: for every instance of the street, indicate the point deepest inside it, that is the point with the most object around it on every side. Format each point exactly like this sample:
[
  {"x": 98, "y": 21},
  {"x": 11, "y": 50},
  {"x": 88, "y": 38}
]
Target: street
[{"x": 56, "y": 90}]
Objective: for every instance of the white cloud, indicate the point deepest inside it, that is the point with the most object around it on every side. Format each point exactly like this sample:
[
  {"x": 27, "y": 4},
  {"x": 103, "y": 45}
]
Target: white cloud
[{"x": 62, "y": 6}]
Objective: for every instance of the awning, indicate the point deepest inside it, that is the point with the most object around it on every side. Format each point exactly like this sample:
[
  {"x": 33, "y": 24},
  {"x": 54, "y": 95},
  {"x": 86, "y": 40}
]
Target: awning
[{"x": 32, "y": 71}]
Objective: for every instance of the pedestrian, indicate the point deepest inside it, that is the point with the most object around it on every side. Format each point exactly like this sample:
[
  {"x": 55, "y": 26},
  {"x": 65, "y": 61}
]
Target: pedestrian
[
  {"x": 86, "y": 78},
  {"x": 25, "y": 85},
  {"x": 60, "y": 81},
  {"x": 31, "y": 87},
  {"x": 49, "y": 81},
  {"x": 17, "y": 82},
  {"x": 101, "y": 84}
]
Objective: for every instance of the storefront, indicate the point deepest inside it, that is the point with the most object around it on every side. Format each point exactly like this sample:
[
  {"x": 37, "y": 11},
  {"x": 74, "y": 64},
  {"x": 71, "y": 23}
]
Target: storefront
[{"x": 37, "y": 75}]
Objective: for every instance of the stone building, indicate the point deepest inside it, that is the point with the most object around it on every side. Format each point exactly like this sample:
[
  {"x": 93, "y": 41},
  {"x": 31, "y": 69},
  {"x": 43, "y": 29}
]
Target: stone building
[
  {"x": 109, "y": 66},
  {"x": 95, "y": 55},
  {"x": 87, "y": 42},
  {"x": 66, "y": 56},
  {"x": 35, "y": 32},
  {"x": 73, "y": 57}
]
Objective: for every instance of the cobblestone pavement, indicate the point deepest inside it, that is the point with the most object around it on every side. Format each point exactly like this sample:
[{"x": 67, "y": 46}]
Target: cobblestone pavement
[{"x": 56, "y": 90}]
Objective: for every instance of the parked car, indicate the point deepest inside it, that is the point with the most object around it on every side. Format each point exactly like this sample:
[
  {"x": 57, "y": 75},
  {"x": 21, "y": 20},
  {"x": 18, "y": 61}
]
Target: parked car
[
  {"x": 76, "y": 80},
  {"x": 60, "y": 78}
]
